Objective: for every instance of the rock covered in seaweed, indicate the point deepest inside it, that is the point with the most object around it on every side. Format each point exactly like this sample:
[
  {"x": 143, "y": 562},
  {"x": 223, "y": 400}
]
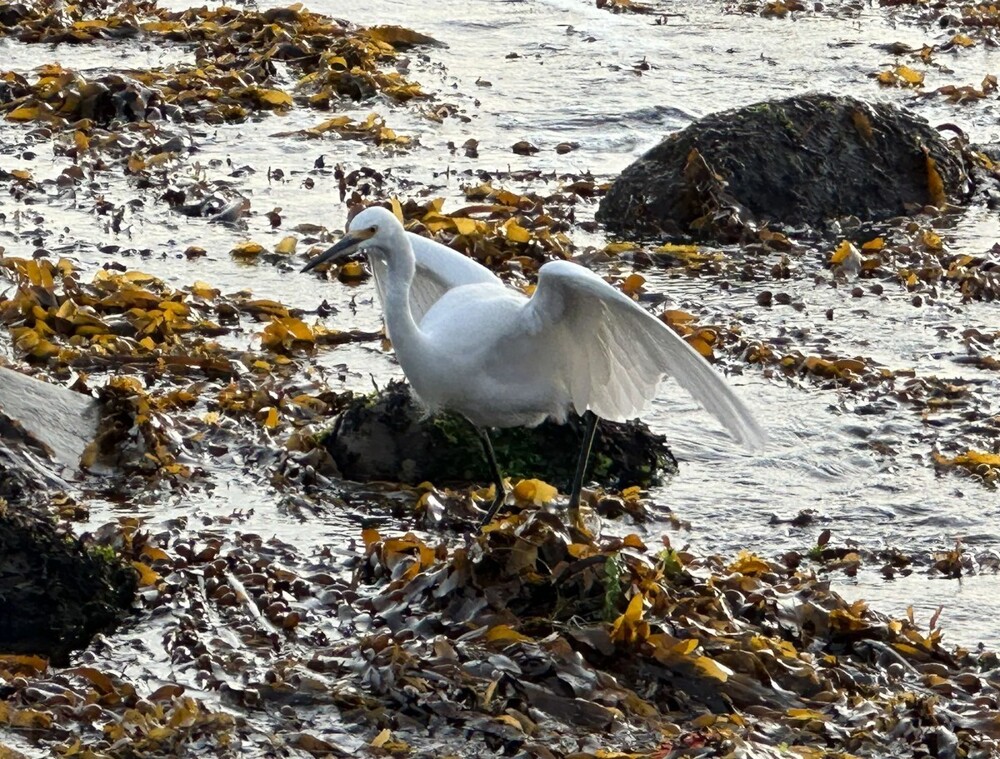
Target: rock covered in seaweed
[
  {"x": 388, "y": 437},
  {"x": 801, "y": 160},
  {"x": 56, "y": 592},
  {"x": 671, "y": 653}
]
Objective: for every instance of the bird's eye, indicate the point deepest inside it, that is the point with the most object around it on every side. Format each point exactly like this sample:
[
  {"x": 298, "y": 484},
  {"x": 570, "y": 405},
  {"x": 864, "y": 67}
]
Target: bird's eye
[{"x": 373, "y": 229}]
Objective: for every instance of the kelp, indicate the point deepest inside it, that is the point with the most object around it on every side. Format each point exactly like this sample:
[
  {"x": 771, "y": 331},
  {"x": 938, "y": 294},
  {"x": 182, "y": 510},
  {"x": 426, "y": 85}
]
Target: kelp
[
  {"x": 615, "y": 636},
  {"x": 532, "y": 638}
]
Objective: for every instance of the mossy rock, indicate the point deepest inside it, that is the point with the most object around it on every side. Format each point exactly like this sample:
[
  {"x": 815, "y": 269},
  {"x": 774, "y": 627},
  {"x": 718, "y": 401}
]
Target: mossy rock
[
  {"x": 55, "y": 592},
  {"x": 386, "y": 436},
  {"x": 800, "y": 160}
]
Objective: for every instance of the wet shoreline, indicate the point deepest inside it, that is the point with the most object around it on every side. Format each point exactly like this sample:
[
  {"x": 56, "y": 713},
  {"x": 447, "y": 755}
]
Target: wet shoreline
[{"x": 239, "y": 481}]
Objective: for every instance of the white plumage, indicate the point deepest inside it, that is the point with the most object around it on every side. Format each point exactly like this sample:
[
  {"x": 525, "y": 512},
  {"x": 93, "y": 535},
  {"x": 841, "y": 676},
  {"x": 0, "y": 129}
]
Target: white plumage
[
  {"x": 438, "y": 269},
  {"x": 471, "y": 345}
]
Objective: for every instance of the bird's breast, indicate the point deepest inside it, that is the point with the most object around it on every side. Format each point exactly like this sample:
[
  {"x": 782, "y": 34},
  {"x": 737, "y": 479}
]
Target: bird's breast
[{"x": 476, "y": 358}]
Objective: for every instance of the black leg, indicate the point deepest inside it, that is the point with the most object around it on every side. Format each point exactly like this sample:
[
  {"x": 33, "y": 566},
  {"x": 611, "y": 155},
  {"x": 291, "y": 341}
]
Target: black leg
[
  {"x": 590, "y": 420},
  {"x": 501, "y": 494}
]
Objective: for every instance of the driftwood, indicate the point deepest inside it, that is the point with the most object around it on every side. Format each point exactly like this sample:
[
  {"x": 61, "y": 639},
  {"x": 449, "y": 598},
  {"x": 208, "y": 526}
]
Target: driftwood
[{"x": 56, "y": 422}]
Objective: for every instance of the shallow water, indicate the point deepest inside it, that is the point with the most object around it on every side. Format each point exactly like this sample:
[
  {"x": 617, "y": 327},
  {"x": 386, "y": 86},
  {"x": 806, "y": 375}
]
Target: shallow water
[{"x": 615, "y": 84}]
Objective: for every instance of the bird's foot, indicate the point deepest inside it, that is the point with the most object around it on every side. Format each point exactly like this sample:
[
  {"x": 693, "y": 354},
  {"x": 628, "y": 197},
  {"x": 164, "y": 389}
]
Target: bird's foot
[
  {"x": 498, "y": 501},
  {"x": 583, "y": 522},
  {"x": 578, "y": 528}
]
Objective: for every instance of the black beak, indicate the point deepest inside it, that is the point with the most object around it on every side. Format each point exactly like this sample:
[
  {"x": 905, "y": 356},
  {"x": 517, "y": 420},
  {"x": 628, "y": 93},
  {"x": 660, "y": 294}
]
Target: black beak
[{"x": 343, "y": 248}]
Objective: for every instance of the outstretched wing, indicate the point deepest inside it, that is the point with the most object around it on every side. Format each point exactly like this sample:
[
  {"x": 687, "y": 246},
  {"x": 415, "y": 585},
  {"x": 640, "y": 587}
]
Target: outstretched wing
[
  {"x": 616, "y": 354},
  {"x": 439, "y": 269}
]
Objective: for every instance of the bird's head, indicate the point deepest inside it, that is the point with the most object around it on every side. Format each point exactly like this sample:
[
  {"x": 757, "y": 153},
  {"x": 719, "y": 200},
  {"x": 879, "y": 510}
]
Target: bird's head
[{"x": 374, "y": 230}]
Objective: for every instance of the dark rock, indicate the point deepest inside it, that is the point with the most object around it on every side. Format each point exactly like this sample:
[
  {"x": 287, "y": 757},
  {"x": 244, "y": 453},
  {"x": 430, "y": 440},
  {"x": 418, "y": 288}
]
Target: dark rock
[
  {"x": 14, "y": 484},
  {"x": 12, "y": 13},
  {"x": 387, "y": 437},
  {"x": 55, "y": 592},
  {"x": 796, "y": 161}
]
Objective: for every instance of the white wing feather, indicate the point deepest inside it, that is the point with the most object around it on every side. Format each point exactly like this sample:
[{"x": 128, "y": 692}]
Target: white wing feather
[
  {"x": 439, "y": 269},
  {"x": 616, "y": 354}
]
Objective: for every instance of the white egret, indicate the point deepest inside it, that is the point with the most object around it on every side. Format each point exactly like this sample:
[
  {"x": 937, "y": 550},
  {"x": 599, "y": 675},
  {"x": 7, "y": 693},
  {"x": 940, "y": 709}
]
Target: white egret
[
  {"x": 470, "y": 345},
  {"x": 438, "y": 269}
]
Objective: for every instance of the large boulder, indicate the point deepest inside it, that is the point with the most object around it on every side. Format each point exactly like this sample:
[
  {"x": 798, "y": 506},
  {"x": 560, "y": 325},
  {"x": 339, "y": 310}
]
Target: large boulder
[{"x": 797, "y": 161}]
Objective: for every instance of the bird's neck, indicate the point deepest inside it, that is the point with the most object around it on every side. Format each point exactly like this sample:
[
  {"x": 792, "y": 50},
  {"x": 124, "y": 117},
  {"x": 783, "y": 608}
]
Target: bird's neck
[{"x": 407, "y": 339}]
